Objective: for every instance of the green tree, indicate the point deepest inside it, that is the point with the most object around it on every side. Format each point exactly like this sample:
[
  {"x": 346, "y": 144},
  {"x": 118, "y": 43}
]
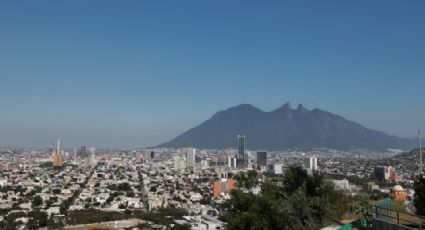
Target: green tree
[
  {"x": 181, "y": 227},
  {"x": 247, "y": 180},
  {"x": 64, "y": 207},
  {"x": 37, "y": 219},
  {"x": 419, "y": 199},
  {"x": 153, "y": 189},
  {"x": 296, "y": 201},
  {"x": 364, "y": 212},
  {"x": 37, "y": 201}
]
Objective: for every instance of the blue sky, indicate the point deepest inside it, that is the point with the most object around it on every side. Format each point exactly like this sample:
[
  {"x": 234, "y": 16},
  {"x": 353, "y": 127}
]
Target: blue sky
[{"x": 137, "y": 73}]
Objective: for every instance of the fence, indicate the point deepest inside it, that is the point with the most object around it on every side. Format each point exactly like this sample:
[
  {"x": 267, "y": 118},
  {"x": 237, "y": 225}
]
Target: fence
[{"x": 393, "y": 217}]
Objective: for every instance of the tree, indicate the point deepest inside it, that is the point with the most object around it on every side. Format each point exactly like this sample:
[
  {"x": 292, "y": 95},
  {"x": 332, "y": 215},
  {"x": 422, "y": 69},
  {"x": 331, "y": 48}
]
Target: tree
[
  {"x": 56, "y": 191},
  {"x": 419, "y": 199},
  {"x": 153, "y": 189},
  {"x": 364, "y": 212},
  {"x": 296, "y": 201},
  {"x": 64, "y": 206},
  {"x": 128, "y": 212},
  {"x": 247, "y": 180},
  {"x": 181, "y": 227},
  {"x": 37, "y": 219},
  {"x": 37, "y": 201}
]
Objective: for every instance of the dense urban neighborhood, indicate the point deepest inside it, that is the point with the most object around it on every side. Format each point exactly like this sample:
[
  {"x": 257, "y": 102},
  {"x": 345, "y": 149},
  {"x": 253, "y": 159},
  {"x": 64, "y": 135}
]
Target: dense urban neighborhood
[{"x": 184, "y": 188}]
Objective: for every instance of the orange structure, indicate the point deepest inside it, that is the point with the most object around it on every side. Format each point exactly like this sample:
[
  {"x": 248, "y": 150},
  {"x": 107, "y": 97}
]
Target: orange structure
[
  {"x": 57, "y": 159},
  {"x": 223, "y": 186},
  {"x": 398, "y": 193},
  {"x": 217, "y": 188}
]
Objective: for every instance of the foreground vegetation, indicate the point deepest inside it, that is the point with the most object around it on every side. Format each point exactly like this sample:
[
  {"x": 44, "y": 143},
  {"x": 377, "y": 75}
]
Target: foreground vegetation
[{"x": 295, "y": 201}]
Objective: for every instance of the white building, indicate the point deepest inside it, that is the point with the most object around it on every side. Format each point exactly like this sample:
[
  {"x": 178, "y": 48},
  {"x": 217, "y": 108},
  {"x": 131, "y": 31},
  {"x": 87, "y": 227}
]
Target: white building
[
  {"x": 205, "y": 164},
  {"x": 341, "y": 184},
  {"x": 92, "y": 156},
  {"x": 232, "y": 162},
  {"x": 276, "y": 168},
  {"x": 179, "y": 163},
  {"x": 311, "y": 163}
]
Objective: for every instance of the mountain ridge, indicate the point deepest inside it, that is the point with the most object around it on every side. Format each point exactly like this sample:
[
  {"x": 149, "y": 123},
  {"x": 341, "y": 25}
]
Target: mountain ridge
[{"x": 285, "y": 128}]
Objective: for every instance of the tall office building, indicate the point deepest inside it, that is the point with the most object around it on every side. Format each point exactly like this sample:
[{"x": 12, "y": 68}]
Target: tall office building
[
  {"x": 311, "y": 163},
  {"x": 241, "y": 161},
  {"x": 75, "y": 153},
  {"x": 190, "y": 159},
  {"x": 261, "y": 159},
  {"x": 241, "y": 142}
]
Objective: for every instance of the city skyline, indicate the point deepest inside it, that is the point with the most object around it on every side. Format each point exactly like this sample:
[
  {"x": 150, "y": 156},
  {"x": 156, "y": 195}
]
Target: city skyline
[{"x": 139, "y": 74}]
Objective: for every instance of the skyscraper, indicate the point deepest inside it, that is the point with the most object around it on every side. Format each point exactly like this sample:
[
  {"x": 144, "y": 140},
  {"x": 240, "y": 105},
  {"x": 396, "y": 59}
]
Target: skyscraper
[
  {"x": 261, "y": 159},
  {"x": 241, "y": 161},
  {"x": 190, "y": 159},
  {"x": 241, "y": 142}
]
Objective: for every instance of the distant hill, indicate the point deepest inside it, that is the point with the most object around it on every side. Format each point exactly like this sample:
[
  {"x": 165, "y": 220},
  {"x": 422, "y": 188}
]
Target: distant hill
[{"x": 285, "y": 128}]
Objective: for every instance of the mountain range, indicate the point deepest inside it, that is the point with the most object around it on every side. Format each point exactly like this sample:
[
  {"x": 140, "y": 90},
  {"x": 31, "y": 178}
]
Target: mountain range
[{"x": 285, "y": 128}]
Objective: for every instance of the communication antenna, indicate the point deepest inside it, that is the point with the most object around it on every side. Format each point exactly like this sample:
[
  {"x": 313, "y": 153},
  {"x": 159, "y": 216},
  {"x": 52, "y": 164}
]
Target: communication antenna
[
  {"x": 420, "y": 150},
  {"x": 59, "y": 145}
]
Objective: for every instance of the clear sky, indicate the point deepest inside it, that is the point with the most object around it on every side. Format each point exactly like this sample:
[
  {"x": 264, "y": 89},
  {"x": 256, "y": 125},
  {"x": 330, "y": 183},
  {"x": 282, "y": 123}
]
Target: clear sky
[{"x": 137, "y": 73}]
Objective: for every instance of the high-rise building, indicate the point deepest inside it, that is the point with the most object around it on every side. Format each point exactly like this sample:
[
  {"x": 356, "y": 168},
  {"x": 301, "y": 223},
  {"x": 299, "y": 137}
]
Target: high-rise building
[
  {"x": 179, "y": 163},
  {"x": 241, "y": 148},
  {"x": 379, "y": 173},
  {"x": 57, "y": 157},
  {"x": 311, "y": 163},
  {"x": 92, "y": 156},
  {"x": 241, "y": 161},
  {"x": 261, "y": 159},
  {"x": 384, "y": 173},
  {"x": 190, "y": 159},
  {"x": 232, "y": 162}
]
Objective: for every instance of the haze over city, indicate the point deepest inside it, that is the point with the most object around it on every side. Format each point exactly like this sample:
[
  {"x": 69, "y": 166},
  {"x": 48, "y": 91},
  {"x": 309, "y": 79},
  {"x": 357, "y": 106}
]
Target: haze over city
[
  {"x": 140, "y": 73},
  {"x": 201, "y": 115}
]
